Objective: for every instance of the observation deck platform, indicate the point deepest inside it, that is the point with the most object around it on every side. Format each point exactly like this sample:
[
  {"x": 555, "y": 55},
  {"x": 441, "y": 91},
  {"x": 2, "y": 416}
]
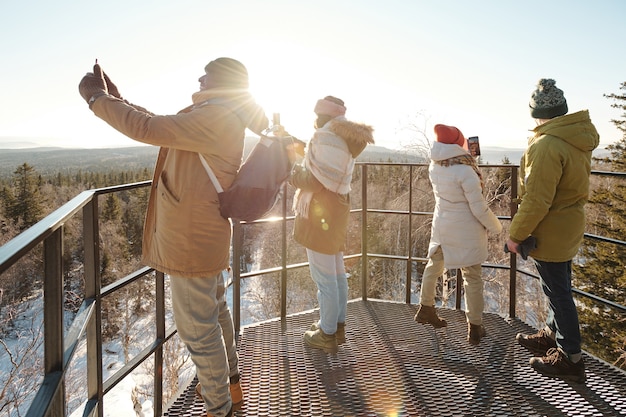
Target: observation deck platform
[{"x": 392, "y": 366}]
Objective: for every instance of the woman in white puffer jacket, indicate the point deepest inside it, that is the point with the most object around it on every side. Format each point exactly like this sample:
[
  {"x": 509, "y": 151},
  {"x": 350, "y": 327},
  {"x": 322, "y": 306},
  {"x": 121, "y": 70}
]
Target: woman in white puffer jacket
[{"x": 460, "y": 224}]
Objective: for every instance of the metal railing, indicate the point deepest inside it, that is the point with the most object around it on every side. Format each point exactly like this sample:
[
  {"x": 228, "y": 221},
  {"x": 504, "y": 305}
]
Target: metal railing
[{"x": 60, "y": 348}]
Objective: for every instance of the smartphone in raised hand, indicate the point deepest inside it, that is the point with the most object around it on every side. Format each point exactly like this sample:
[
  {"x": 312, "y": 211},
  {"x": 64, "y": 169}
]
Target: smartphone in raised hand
[{"x": 473, "y": 145}]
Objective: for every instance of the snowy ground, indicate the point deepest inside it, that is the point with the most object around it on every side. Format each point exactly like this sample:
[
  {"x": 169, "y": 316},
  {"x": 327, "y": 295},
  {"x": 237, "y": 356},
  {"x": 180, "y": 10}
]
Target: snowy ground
[{"x": 138, "y": 385}]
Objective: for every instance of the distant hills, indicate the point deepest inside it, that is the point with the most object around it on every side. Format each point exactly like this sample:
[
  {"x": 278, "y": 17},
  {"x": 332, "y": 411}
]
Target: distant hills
[
  {"x": 495, "y": 155},
  {"x": 18, "y": 144},
  {"x": 51, "y": 160}
]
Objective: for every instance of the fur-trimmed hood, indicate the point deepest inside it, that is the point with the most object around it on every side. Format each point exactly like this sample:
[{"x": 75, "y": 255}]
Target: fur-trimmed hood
[
  {"x": 332, "y": 152},
  {"x": 356, "y": 135}
]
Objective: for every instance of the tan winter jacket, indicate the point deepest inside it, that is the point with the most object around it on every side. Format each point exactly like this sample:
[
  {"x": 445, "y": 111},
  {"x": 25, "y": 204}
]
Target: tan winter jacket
[{"x": 184, "y": 234}]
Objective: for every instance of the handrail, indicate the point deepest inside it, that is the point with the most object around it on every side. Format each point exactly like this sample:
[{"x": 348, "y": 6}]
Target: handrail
[{"x": 60, "y": 349}]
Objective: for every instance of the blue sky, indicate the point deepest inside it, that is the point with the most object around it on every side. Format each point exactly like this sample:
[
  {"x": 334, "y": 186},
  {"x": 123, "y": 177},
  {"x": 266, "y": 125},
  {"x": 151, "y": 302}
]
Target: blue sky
[{"x": 399, "y": 65}]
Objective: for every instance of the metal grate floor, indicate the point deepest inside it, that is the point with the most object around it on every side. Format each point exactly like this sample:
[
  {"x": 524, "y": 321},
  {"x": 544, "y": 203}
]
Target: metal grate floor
[{"x": 393, "y": 366}]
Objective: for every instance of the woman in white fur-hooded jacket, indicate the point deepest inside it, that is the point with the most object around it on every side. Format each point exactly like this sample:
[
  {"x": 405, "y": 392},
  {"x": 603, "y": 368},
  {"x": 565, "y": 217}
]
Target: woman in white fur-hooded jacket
[
  {"x": 322, "y": 207},
  {"x": 461, "y": 220}
]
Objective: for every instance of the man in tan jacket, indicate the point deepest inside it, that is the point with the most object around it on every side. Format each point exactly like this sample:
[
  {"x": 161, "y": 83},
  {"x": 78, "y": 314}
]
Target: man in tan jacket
[{"x": 184, "y": 234}]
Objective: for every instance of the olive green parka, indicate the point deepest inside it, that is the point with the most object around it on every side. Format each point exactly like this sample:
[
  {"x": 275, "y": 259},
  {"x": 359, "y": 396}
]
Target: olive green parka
[{"x": 554, "y": 186}]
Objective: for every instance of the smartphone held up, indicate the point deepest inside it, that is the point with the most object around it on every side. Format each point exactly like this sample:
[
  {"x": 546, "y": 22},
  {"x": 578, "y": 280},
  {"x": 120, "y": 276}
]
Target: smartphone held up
[{"x": 473, "y": 145}]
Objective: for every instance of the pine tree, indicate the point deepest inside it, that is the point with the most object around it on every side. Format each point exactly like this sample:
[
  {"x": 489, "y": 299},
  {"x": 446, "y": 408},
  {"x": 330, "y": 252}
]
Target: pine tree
[
  {"x": 24, "y": 204},
  {"x": 111, "y": 210},
  {"x": 602, "y": 268},
  {"x": 8, "y": 199}
]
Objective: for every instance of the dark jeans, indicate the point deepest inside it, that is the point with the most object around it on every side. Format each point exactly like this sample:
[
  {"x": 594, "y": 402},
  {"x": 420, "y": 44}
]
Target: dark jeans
[{"x": 556, "y": 281}]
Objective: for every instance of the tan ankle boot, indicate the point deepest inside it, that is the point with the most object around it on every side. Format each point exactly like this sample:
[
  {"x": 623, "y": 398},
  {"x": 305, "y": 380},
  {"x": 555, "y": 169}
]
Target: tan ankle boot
[
  {"x": 428, "y": 315},
  {"x": 320, "y": 340},
  {"x": 236, "y": 394},
  {"x": 341, "y": 331}
]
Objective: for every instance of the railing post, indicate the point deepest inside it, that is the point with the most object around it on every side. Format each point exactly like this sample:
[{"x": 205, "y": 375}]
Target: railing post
[
  {"x": 513, "y": 257},
  {"x": 364, "y": 259},
  {"x": 160, "y": 336},
  {"x": 459, "y": 288},
  {"x": 283, "y": 270},
  {"x": 237, "y": 241},
  {"x": 53, "y": 316},
  {"x": 409, "y": 261},
  {"x": 92, "y": 290}
]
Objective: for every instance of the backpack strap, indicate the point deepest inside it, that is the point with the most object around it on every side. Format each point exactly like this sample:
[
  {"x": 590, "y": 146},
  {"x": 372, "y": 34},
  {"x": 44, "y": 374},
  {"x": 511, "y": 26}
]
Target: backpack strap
[{"x": 211, "y": 174}]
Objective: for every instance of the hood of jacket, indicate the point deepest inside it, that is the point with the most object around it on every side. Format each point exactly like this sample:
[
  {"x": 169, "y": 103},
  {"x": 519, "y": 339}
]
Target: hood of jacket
[
  {"x": 332, "y": 152},
  {"x": 239, "y": 101},
  {"x": 575, "y": 129},
  {"x": 442, "y": 151},
  {"x": 356, "y": 135}
]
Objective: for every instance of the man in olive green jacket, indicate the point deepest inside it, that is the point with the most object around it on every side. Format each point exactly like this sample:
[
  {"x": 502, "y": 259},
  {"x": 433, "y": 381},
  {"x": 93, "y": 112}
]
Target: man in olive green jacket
[
  {"x": 554, "y": 187},
  {"x": 184, "y": 234}
]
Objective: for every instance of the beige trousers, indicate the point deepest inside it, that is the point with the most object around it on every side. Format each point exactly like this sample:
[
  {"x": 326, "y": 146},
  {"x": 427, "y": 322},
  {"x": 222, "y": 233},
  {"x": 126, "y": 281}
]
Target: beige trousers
[
  {"x": 205, "y": 326},
  {"x": 472, "y": 284}
]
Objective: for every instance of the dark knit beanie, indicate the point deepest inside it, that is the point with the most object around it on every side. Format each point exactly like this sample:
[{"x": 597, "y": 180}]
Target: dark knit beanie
[
  {"x": 228, "y": 72},
  {"x": 547, "y": 100}
]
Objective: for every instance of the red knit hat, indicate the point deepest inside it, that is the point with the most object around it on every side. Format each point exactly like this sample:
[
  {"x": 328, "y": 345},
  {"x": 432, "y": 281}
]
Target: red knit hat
[{"x": 450, "y": 135}]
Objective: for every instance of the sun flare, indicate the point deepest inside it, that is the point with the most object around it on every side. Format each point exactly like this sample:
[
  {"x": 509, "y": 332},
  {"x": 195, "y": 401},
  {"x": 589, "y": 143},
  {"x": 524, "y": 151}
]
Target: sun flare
[{"x": 287, "y": 83}]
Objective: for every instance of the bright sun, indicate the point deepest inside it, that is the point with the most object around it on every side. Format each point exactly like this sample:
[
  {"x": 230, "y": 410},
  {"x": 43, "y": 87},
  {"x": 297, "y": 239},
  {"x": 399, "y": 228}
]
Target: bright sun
[
  {"x": 285, "y": 93},
  {"x": 286, "y": 82}
]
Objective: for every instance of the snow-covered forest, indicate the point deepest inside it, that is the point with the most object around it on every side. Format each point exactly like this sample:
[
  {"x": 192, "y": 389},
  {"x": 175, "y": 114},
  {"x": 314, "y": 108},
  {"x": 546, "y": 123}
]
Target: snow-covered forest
[{"x": 28, "y": 195}]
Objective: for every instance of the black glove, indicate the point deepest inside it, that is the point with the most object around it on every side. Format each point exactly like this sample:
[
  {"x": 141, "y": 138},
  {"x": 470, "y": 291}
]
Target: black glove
[
  {"x": 92, "y": 84},
  {"x": 112, "y": 88},
  {"x": 525, "y": 247}
]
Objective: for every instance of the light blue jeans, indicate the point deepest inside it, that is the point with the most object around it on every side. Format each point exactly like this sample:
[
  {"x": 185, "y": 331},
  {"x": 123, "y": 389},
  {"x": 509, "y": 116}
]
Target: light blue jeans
[
  {"x": 329, "y": 274},
  {"x": 205, "y": 326}
]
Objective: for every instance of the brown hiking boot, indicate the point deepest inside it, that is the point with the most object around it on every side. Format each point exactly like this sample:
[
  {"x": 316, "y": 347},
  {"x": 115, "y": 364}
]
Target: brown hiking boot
[
  {"x": 475, "y": 332},
  {"x": 538, "y": 343},
  {"x": 320, "y": 340},
  {"x": 341, "y": 331},
  {"x": 428, "y": 315},
  {"x": 236, "y": 394},
  {"x": 556, "y": 364}
]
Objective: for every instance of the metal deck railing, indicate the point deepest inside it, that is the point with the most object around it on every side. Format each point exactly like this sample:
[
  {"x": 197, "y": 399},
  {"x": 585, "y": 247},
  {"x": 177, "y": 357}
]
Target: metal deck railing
[{"x": 374, "y": 332}]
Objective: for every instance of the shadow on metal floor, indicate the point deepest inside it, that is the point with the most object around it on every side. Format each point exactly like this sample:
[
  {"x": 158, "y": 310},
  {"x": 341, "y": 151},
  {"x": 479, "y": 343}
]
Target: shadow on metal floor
[{"x": 393, "y": 366}]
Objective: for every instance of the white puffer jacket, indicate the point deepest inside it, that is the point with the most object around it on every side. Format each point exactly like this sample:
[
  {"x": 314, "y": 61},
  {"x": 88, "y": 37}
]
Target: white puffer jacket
[{"x": 461, "y": 218}]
